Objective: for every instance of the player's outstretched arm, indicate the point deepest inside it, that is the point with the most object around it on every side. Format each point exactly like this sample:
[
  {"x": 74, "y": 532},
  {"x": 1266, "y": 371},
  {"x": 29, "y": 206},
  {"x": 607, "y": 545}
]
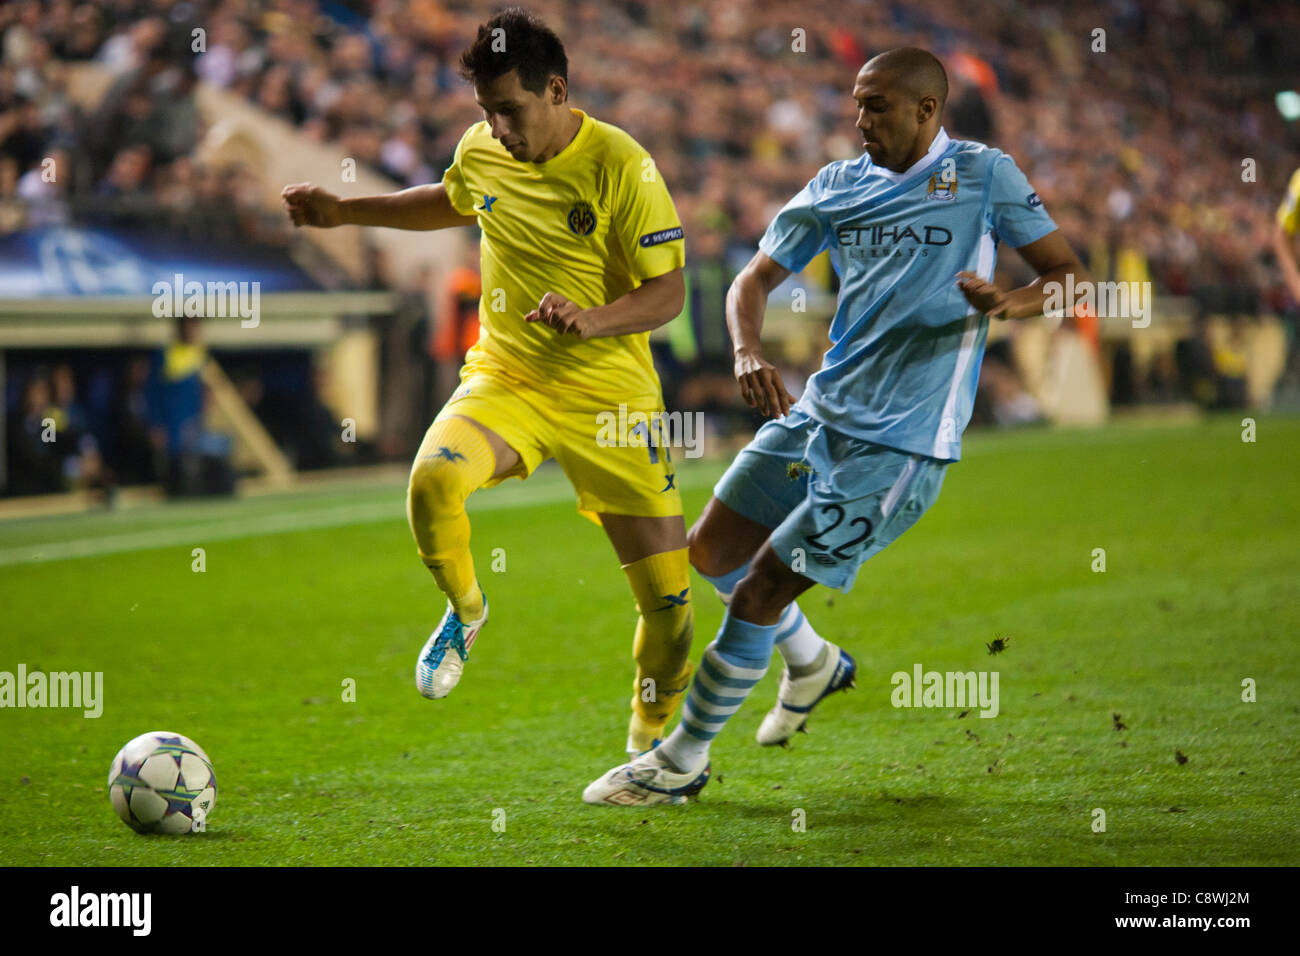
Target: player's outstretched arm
[
  {"x": 760, "y": 382},
  {"x": 420, "y": 207},
  {"x": 1051, "y": 257}
]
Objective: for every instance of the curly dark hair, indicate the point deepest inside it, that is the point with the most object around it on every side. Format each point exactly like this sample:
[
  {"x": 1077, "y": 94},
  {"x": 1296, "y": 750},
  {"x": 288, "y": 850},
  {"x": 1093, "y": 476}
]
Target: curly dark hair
[{"x": 524, "y": 43}]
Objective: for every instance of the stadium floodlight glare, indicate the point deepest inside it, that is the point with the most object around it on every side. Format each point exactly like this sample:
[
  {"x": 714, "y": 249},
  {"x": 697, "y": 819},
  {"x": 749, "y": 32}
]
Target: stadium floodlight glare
[{"x": 1288, "y": 104}]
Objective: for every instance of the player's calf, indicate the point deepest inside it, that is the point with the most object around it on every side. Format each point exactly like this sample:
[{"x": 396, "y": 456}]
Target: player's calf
[
  {"x": 763, "y": 595},
  {"x": 661, "y": 647},
  {"x": 454, "y": 459}
]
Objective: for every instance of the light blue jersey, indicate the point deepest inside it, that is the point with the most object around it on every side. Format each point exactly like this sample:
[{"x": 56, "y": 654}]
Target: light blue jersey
[{"x": 905, "y": 345}]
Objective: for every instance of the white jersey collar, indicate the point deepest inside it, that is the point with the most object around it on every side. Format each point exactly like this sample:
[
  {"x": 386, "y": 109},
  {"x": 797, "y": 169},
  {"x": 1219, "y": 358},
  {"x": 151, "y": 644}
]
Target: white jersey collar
[{"x": 936, "y": 149}]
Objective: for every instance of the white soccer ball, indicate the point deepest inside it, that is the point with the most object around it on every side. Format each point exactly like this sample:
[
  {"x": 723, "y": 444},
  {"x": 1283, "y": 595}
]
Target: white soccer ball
[{"x": 162, "y": 782}]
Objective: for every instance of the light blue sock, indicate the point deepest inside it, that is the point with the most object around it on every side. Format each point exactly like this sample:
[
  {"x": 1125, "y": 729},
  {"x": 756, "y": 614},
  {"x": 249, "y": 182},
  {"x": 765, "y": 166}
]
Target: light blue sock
[
  {"x": 725, "y": 584},
  {"x": 735, "y": 661},
  {"x": 798, "y": 643}
]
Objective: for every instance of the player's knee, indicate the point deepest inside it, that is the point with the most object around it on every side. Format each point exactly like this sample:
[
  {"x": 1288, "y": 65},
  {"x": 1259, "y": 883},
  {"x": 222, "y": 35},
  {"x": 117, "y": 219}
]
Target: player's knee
[{"x": 435, "y": 488}]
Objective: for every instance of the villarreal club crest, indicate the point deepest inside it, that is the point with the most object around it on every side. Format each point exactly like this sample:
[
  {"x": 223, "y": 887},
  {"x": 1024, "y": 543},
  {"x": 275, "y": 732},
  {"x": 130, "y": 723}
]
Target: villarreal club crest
[{"x": 582, "y": 219}]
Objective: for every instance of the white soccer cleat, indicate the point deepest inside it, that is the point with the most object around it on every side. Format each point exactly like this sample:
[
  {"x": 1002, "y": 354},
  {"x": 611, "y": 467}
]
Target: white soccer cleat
[
  {"x": 644, "y": 781},
  {"x": 442, "y": 660},
  {"x": 799, "y": 695}
]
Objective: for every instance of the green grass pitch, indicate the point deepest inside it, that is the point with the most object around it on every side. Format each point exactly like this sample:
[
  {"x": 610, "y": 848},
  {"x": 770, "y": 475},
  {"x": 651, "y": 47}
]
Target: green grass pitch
[{"x": 302, "y": 592}]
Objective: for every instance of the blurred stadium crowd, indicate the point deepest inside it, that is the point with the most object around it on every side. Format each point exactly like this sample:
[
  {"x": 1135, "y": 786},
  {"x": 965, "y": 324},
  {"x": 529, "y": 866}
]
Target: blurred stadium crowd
[{"x": 1137, "y": 151}]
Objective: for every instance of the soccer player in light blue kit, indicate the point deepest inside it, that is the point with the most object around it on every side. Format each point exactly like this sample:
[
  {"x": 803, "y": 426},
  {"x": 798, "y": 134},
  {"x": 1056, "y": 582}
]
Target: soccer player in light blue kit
[{"x": 913, "y": 227}]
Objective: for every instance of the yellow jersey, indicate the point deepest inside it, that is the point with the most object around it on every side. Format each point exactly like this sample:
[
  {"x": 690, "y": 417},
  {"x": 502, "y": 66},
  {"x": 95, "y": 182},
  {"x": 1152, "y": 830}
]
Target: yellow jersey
[
  {"x": 591, "y": 224},
  {"x": 1288, "y": 214}
]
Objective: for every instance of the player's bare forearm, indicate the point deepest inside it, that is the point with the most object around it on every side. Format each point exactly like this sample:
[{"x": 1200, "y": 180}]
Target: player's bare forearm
[
  {"x": 1051, "y": 257},
  {"x": 1028, "y": 301},
  {"x": 655, "y": 302},
  {"x": 747, "y": 302},
  {"x": 420, "y": 207},
  {"x": 760, "y": 383}
]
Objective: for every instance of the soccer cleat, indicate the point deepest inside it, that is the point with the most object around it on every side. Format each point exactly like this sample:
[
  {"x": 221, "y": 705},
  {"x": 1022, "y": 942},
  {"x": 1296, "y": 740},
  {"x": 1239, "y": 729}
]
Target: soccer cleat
[
  {"x": 799, "y": 695},
  {"x": 644, "y": 781},
  {"x": 442, "y": 660}
]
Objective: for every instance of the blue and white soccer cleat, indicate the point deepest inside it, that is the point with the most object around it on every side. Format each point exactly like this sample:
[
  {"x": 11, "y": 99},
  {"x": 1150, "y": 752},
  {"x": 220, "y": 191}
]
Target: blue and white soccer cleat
[
  {"x": 799, "y": 695},
  {"x": 644, "y": 781},
  {"x": 443, "y": 657}
]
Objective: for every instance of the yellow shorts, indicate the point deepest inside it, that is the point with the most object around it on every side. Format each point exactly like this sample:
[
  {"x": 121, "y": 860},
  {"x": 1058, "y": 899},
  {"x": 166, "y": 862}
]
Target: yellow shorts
[{"x": 614, "y": 456}]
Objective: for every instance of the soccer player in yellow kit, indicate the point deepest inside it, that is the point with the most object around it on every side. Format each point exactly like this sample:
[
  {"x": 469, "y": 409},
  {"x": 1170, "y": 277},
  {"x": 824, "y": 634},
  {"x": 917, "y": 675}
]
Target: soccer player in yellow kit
[
  {"x": 582, "y": 255},
  {"x": 1284, "y": 233}
]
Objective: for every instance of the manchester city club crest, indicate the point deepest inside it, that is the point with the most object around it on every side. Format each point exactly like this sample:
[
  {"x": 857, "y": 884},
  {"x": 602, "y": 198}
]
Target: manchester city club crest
[
  {"x": 582, "y": 219},
  {"x": 940, "y": 188}
]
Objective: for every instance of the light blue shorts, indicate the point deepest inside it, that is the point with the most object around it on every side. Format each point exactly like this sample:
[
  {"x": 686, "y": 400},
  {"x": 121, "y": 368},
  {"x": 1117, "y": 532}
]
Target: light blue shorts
[{"x": 831, "y": 500}]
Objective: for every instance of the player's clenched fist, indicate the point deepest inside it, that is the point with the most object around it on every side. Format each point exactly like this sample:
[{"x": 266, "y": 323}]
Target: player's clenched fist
[
  {"x": 560, "y": 314},
  {"x": 984, "y": 296},
  {"x": 761, "y": 385},
  {"x": 309, "y": 205}
]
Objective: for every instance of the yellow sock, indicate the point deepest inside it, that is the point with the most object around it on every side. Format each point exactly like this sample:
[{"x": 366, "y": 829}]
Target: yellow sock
[
  {"x": 661, "y": 584},
  {"x": 454, "y": 459}
]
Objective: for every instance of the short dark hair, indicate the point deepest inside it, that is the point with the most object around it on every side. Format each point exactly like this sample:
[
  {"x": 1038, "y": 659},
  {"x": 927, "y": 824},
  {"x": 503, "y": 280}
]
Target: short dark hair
[
  {"x": 918, "y": 71},
  {"x": 530, "y": 47}
]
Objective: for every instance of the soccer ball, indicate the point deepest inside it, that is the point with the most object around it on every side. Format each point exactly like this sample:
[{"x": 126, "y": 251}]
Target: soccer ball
[{"x": 162, "y": 782}]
